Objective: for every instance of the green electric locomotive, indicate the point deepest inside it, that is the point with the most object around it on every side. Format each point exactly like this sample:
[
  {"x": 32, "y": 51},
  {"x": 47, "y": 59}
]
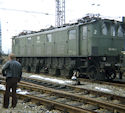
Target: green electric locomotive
[{"x": 92, "y": 47}]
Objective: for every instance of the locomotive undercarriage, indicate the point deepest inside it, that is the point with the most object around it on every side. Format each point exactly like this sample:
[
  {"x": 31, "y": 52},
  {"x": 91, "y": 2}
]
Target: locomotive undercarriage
[{"x": 95, "y": 68}]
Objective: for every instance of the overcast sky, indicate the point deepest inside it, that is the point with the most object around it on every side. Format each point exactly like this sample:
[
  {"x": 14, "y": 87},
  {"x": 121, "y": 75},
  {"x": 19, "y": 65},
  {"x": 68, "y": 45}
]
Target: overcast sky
[{"x": 14, "y": 22}]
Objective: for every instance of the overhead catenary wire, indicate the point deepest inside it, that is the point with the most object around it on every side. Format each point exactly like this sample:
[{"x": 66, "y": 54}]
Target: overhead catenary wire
[{"x": 26, "y": 11}]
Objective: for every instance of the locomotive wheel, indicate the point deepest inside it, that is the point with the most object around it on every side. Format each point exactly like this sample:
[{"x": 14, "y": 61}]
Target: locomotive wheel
[
  {"x": 37, "y": 70},
  {"x": 70, "y": 73},
  {"x": 57, "y": 72},
  {"x": 120, "y": 75},
  {"x": 110, "y": 74},
  {"x": 92, "y": 72},
  {"x": 28, "y": 69}
]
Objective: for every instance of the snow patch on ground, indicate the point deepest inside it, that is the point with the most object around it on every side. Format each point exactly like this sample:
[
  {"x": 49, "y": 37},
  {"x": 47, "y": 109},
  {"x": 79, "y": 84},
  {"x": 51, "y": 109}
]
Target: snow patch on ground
[
  {"x": 52, "y": 79},
  {"x": 19, "y": 91},
  {"x": 2, "y": 87},
  {"x": 103, "y": 89}
]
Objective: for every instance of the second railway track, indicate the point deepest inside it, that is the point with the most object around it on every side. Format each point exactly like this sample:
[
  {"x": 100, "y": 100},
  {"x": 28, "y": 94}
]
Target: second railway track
[{"x": 112, "y": 83}]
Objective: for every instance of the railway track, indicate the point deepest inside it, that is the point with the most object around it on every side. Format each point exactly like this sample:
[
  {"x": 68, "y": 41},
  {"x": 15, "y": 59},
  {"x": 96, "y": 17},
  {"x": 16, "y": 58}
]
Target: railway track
[
  {"x": 113, "y": 83},
  {"x": 116, "y": 83},
  {"x": 77, "y": 88},
  {"x": 42, "y": 98},
  {"x": 79, "y": 97},
  {"x": 82, "y": 94},
  {"x": 52, "y": 104}
]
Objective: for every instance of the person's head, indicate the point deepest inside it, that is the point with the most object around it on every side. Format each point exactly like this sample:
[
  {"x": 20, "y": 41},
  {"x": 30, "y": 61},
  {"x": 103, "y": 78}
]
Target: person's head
[{"x": 12, "y": 56}]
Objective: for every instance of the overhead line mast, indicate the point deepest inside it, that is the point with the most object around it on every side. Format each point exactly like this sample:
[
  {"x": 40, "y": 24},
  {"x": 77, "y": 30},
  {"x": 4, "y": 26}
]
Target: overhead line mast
[{"x": 60, "y": 12}]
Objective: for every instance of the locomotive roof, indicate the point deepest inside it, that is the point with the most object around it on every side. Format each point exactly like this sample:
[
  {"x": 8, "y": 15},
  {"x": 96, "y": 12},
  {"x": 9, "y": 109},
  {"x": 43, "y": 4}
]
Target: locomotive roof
[{"x": 83, "y": 21}]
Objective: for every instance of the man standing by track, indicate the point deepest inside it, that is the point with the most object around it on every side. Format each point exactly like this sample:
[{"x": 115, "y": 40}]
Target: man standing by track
[{"x": 13, "y": 71}]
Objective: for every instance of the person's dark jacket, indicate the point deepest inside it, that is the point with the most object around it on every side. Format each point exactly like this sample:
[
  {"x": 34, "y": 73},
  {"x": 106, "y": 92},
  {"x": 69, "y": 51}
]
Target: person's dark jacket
[{"x": 12, "y": 69}]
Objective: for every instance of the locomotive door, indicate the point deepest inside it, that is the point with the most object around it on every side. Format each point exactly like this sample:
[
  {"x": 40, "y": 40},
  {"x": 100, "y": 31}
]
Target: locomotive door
[
  {"x": 83, "y": 40},
  {"x": 22, "y": 47},
  {"x": 39, "y": 45},
  {"x": 49, "y": 46},
  {"x": 16, "y": 46},
  {"x": 72, "y": 43},
  {"x": 29, "y": 46}
]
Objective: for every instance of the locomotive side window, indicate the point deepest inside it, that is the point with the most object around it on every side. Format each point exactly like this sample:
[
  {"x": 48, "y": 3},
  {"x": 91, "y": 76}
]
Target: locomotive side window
[
  {"x": 72, "y": 34},
  {"x": 120, "y": 31},
  {"x": 49, "y": 38},
  {"x": 84, "y": 32},
  {"x": 38, "y": 39},
  {"x": 113, "y": 32},
  {"x": 29, "y": 38},
  {"x": 95, "y": 31},
  {"x": 104, "y": 29}
]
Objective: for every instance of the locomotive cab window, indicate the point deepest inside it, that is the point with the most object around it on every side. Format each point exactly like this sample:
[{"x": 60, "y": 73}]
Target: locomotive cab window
[
  {"x": 72, "y": 34},
  {"x": 49, "y": 38},
  {"x": 84, "y": 32},
  {"x": 113, "y": 32},
  {"x": 120, "y": 31},
  {"x": 104, "y": 29},
  {"x": 95, "y": 31}
]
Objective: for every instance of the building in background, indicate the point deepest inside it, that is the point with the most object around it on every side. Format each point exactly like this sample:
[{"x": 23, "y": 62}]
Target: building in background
[{"x": 0, "y": 38}]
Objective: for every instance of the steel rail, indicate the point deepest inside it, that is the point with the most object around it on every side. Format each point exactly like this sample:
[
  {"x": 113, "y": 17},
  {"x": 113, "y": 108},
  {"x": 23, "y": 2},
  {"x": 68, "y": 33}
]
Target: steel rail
[
  {"x": 122, "y": 84},
  {"x": 110, "y": 106},
  {"x": 77, "y": 88},
  {"x": 53, "y": 104}
]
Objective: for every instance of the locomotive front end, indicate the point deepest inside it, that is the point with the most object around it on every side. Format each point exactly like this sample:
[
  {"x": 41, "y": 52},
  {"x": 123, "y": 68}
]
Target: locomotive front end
[{"x": 107, "y": 45}]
